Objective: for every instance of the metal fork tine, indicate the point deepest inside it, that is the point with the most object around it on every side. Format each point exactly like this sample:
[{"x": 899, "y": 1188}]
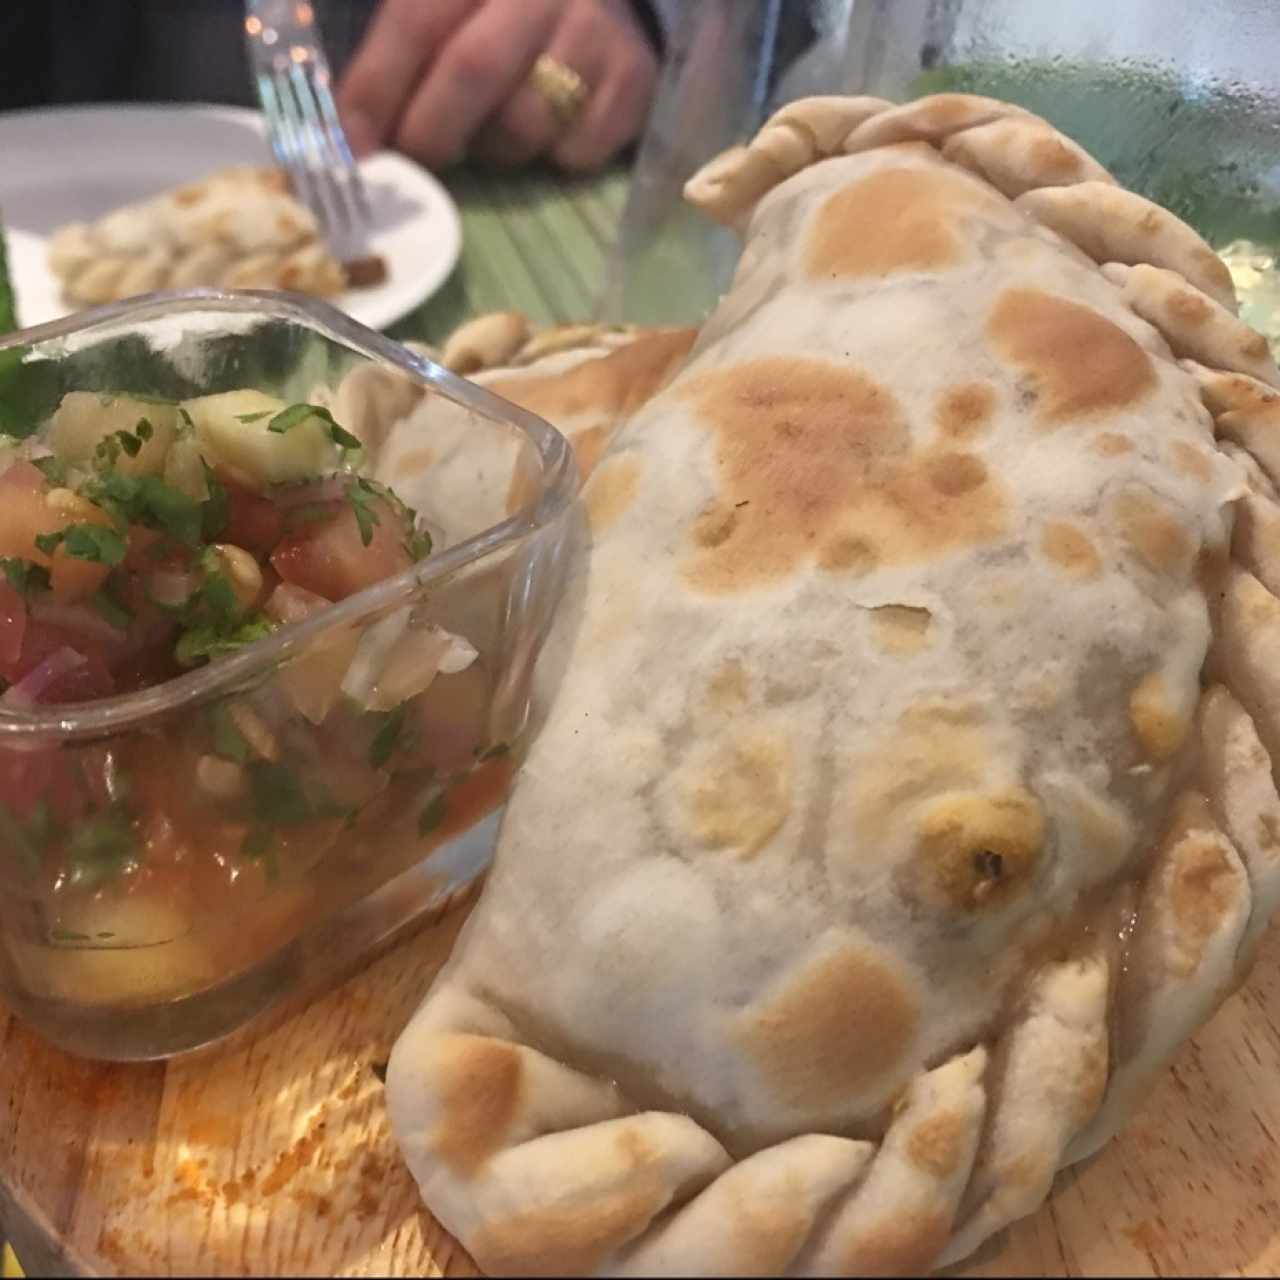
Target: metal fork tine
[
  {"x": 293, "y": 81},
  {"x": 320, "y": 150}
]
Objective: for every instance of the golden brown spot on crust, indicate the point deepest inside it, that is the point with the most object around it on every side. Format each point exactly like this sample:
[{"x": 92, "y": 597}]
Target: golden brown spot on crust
[
  {"x": 1254, "y": 346},
  {"x": 1192, "y": 461},
  {"x": 905, "y": 1244},
  {"x": 935, "y": 749},
  {"x": 185, "y": 197},
  {"x": 728, "y": 689},
  {"x": 938, "y": 1144},
  {"x": 1082, "y": 363},
  {"x": 740, "y": 798},
  {"x": 848, "y": 555},
  {"x": 608, "y": 388},
  {"x": 894, "y": 220},
  {"x": 611, "y": 491},
  {"x": 833, "y": 1031},
  {"x": 900, "y": 629},
  {"x": 478, "y": 1082},
  {"x": 964, "y": 410},
  {"x": 573, "y": 1236},
  {"x": 974, "y": 849},
  {"x": 1111, "y": 444},
  {"x": 1160, "y": 727},
  {"x": 817, "y": 464},
  {"x": 767, "y": 1231},
  {"x": 1203, "y": 890},
  {"x": 1053, "y": 160},
  {"x": 1155, "y": 535},
  {"x": 955, "y": 473},
  {"x": 1190, "y": 308},
  {"x": 588, "y": 449},
  {"x": 1070, "y": 549}
]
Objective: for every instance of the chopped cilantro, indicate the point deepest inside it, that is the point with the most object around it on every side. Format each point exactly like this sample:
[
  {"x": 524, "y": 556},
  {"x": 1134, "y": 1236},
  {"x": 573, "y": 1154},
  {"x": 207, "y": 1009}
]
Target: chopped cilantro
[
  {"x": 358, "y": 494},
  {"x": 418, "y": 545},
  {"x": 130, "y": 443},
  {"x": 344, "y": 439},
  {"x": 30, "y": 839},
  {"x": 93, "y": 542},
  {"x": 204, "y": 640},
  {"x": 100, "y": 846},
  {"x": 170, "y": 509},
  {"x": 53, "y": 469},
  {"x": 228, "y": 741},
  {"x": 253, "y": 417},
  {"x": 67, "y": 935},
  {"x": 144, "y": 430},
  {"x": 217, "y": 505},
  {"x": 109, "y": 606},
  {"x": 278, "y": 795},
  {"x": 433, "y": 815},
  {"x": 387, "y": 738},
  {"x": 296, "y": 414},
  {"x": 25, "y": 576}
]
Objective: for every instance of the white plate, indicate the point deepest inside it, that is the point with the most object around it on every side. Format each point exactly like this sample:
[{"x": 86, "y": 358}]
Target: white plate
[{"x": 74, "y": 163}]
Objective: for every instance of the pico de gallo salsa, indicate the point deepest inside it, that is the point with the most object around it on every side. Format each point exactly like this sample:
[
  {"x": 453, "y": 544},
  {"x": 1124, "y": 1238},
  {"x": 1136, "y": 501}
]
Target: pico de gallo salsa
[{"x": 140, "y": 539}]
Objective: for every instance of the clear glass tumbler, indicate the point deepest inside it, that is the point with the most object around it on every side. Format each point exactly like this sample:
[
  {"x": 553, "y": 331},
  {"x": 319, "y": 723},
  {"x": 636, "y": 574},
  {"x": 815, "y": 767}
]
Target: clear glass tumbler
[
  {"x": 175, "y": 860},
  {"x": 1179, "y": 99}
]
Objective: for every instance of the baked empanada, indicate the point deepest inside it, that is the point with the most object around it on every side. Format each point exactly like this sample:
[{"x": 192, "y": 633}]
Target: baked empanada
[
  {"x": 238, "y": 229},
  {"x": 904, "y": 796}
]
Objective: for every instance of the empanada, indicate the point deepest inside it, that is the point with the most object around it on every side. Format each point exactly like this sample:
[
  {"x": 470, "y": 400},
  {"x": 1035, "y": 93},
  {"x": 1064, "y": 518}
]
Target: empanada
[
  {"x": 905, "y": 794},
  {"x": 238, "y": 229}
]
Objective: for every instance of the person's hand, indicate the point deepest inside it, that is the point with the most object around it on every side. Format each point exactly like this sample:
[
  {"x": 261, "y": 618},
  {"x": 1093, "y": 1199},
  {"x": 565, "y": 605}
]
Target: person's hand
[{"x": 440, "y": 79}]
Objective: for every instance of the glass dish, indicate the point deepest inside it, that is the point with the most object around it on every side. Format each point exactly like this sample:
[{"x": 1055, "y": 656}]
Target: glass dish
[{"x": 190, "y": 897}]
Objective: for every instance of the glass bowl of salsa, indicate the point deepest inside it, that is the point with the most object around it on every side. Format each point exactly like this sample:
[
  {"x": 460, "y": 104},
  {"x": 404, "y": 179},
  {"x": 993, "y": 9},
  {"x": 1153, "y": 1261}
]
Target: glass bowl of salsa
[{"x": 272, "y": 587}]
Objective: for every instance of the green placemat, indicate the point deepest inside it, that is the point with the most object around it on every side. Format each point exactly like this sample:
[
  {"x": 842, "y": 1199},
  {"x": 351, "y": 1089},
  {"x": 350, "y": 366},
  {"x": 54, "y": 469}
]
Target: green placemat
[{"x": 535, "y": 242}]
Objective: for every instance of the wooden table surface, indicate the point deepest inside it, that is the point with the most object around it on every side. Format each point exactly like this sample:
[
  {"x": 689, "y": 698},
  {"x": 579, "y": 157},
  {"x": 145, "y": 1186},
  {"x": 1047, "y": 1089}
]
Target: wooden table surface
[{"x": 273, "y": 1155}]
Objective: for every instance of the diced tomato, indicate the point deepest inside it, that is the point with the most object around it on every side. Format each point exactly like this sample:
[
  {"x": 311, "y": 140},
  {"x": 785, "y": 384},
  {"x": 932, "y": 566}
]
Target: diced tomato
[
  {"x": 13, "y": 622},
  {"x": 25, "y": 513},
  {"x": 330, "y": 558},
  {"x": 253, "y": 522}
]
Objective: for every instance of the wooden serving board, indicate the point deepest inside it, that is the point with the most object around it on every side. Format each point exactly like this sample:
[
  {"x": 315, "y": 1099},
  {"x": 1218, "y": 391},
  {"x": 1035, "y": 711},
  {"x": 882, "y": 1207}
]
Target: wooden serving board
[{"x": 273, "y": 1156}]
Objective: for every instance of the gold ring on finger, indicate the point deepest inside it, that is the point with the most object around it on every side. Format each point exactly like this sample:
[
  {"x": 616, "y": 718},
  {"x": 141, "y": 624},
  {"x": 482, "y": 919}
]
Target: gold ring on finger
[{"x": 563, "y": 89}]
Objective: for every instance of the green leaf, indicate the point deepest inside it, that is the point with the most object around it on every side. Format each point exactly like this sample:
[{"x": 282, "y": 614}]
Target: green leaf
[
  {"x": 358, "y": 494},
  {"x": 130, "y": 443},
  {"x": 111, "y": 608},
  {"x": 433, "y": 815},
  {"x": 387, "y": 738},
  {"x": 228, "y": 741},
  {"x": 252, "y": 417},
  {"x": 67, "y": 935},
  {"x": 100, "y": 846},
  {"x": 170, "y": 509},
  {"x": 296, "y": 414},
  {"x": 48, "y": 542},
  {"x": 418, "y": 545},
  {"x": 204, "y": 641},
  {"x": 144, "y": 430},
  {"x": 278, "y": 795},
  {"x": 344, "y": 439},
  {"x": 93, "y": 542},
  {"x": 217, "y": 506},
  {"x": 53, "y": 469},
  {"x": 257, "y": 842},
  {"x": 25, "y": 576},
  {"x": 28, "y": 840}
]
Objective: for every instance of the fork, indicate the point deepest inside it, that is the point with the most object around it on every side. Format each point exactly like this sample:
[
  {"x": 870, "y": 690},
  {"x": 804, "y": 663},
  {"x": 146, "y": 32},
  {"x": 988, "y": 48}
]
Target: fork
[{"x": 291, "y": 74}]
